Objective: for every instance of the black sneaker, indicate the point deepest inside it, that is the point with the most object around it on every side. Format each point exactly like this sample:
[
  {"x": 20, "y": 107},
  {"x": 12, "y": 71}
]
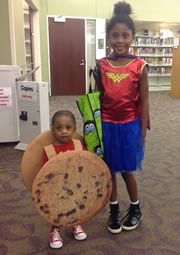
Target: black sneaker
[
  {"x": 114, "y": 225},
  {"x": 132, "y": 218}
]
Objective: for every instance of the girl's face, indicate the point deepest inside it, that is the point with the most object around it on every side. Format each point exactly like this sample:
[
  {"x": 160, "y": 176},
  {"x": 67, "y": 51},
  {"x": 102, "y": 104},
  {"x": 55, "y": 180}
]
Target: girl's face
[
  {"x": 63, "y": 129},
  {"x": 120, "y": 39}
]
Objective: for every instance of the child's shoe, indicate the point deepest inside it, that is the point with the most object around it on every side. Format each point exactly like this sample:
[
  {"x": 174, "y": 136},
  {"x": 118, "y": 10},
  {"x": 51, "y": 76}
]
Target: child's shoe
[
  {"x": 79, "y": 233},
  {"x": 114, "y": 224},
  {"x": 56, "y": 241},
  {"x": 133, "y": 217}
]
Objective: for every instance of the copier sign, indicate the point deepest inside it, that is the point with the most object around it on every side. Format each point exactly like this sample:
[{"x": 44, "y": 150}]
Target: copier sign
[{"x": 27, "y": 91}]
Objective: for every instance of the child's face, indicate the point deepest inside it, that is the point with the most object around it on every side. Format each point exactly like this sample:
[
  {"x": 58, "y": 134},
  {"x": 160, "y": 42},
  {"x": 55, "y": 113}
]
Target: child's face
[
  {"x": 120, "y": 39},
  {"x": 63, "y": 129}
]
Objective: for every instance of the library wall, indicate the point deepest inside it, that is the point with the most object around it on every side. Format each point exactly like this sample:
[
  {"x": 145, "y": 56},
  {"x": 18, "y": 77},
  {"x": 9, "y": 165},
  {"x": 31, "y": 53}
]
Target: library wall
[
  {"x": 143, "y": 11},
  {"x": 5, "y": 49},
  {"x": 19, "y": 32}
]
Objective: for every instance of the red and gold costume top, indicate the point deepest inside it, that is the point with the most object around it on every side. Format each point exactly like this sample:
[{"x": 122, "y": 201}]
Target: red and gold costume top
[{"x": 120, "y": 97}]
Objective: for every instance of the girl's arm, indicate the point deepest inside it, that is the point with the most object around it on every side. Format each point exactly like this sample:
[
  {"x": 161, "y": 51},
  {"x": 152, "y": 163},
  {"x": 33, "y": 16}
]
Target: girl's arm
[{"x": 144, "y": 98}]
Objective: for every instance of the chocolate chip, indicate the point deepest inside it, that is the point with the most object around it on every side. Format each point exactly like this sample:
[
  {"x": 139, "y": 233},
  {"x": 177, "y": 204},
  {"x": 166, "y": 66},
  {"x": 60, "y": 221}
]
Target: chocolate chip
[
  {"x": 56, "y": 221},
  {"x": 60, "y": 215},
  {"x": 49, "y": 176},
  {"x": 84, "y": 197},
  {"x": 70, "y": 192},
  {"x": 107, "y": 186},
  {"x": 99, "y": 195},
  {"x": 38, "y": 201},
  {"x": 80, "y": 168},
  {"x": 86, "y": 192},
  {"x": 38, "y": 192},
  {"x": 102, "y": 174},
  {"x": 71, "y": 212},
  {"x": 78, "y": 185},
  {"x": 81, "y": 207},
  {"x": 46, "y": 206},
  {"x": 77, "y": 202},
  {"x": 46, "y": 211},
  {"x": 97, "y": 183},
  {"x": 42, "y": 208},
  {"x": 66, "y": 175},
  {"x": 33, "y": 198}
]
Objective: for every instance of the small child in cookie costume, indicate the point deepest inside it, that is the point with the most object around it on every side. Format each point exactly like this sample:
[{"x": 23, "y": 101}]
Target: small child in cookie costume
[
  {"x": 63, "y": 127},
  {"x": 125, "y": 88}
]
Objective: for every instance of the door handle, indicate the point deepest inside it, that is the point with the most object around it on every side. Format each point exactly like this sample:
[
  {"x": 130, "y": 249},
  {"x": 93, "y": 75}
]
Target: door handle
[{"x": 81, "y": 64}]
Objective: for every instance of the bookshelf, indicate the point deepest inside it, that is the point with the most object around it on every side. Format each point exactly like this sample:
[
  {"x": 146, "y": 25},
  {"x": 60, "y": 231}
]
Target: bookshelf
[
  {"x": 157, "y": 51},
  {"x": 27, "y": 39}
]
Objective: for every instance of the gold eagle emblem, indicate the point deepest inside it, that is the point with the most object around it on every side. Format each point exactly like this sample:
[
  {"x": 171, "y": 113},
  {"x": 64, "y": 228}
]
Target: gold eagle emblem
[{"x": 116, "y": 78}]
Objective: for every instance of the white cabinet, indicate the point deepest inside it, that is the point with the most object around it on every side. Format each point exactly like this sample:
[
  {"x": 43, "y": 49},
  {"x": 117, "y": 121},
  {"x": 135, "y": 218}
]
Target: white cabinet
[{"x": 9, "y": 124}]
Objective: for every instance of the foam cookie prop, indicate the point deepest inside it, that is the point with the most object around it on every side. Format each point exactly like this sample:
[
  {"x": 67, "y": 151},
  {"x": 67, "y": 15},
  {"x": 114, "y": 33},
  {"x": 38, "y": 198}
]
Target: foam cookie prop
[
  {"x": 71, "y": 188},
  {"x": 32, "y": 159}
]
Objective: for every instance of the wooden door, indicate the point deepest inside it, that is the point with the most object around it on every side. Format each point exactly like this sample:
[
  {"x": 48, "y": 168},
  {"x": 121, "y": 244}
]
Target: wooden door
[{"x": 67, "y": 56}]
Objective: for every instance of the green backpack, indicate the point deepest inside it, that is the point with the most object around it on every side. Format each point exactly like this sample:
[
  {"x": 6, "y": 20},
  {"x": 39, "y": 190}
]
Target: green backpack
[{"x": 90, "y": 109}]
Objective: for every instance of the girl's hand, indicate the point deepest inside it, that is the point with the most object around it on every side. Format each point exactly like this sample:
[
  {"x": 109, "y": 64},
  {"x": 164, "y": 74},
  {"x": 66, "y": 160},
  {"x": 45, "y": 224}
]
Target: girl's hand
[
  {"x": 143, "y": 138},
  {"x": 144, "y": 102}
]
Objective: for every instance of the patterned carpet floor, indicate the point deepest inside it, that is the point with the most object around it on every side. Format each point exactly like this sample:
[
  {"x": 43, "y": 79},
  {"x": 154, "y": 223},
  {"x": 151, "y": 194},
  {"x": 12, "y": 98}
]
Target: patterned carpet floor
[{"x": 24, "y": 232}]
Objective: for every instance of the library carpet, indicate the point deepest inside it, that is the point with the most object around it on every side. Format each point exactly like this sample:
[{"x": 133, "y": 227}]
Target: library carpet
[{"x": 24, "y": 232}]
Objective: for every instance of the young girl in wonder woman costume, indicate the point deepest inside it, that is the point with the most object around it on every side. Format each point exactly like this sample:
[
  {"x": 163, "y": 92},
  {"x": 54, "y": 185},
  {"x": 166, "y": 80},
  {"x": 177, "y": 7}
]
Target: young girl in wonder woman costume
[{"x": 125, "y": 87}]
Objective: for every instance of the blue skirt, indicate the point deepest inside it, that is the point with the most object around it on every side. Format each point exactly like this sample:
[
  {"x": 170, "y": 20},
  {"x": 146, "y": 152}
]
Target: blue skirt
[{"x": 123, "y": 148}]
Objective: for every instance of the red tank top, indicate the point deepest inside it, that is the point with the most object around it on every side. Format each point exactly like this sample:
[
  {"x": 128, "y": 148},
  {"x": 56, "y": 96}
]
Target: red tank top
[{"x": 120, "y": 98}]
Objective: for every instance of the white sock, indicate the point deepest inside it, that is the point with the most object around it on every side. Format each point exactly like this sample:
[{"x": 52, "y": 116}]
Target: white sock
[
  {"x": 135, "y": 203},
  {"x": 114, "y": 202}
]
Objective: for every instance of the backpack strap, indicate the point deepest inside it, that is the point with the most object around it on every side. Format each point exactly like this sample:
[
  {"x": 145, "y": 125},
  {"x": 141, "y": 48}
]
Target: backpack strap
[
  {"x": 50, "y": 151},
  {"x": 77, "y": 145},
  {"x": 99, "y": 82},
  {"x": 96, "y": 72}
]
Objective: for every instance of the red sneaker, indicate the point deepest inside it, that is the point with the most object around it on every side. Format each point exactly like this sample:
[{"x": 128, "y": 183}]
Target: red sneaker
[
  {"x": 56, "y": 241},
  {"x": 79, "y": 233}
]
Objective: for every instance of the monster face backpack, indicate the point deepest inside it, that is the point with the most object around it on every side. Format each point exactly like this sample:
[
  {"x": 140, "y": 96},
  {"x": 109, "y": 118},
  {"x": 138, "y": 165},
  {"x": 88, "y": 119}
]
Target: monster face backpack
[{"x": 90, "y": 109}]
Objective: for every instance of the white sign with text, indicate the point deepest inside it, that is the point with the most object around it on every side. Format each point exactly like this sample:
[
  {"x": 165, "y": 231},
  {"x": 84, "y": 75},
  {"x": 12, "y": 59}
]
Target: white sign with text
[
  {"x": 27, "y": 92},
  {"x": 5, "y": 97}
]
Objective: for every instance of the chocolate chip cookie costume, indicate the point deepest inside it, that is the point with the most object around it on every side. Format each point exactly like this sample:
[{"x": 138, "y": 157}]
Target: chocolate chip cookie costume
[{"x": 70, "y": 188}]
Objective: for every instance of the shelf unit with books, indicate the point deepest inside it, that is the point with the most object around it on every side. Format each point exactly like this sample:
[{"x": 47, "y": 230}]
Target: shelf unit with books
[
  {"x": 28, "y": 39},
  {"x": 157, "y": 51}
]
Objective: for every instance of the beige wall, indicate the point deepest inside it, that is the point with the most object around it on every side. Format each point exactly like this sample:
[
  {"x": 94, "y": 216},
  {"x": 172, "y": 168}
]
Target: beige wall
[
  {"x": 13, "y": 26},
  {"x": 146, "y": 10},
  {"x": 143, "y": 10},
  {"x": 154, "y": 10},
  {"x": 5, "y": 49},
  {"x": 19, "y": 32}
]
